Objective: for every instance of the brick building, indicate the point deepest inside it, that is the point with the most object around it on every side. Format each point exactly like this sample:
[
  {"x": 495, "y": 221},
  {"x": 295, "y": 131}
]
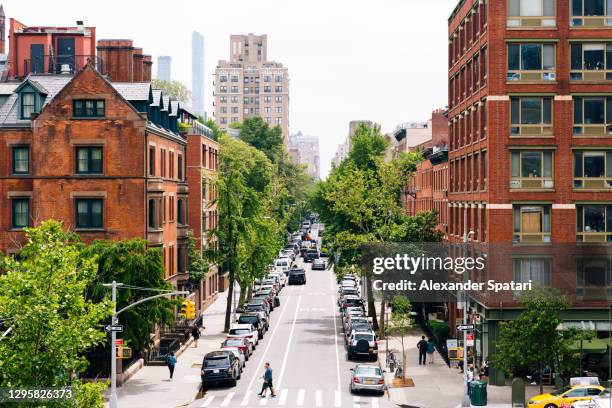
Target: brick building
[{"x": 529, "y": 130}]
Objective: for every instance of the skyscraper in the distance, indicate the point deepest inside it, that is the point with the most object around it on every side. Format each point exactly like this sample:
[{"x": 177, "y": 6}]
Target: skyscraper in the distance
[
  {"x": 250, "y": 85},
  {"x": 305, "y": 150},
  {"x": 197, "y": 72},
  {"x": 164, "y": 67}
]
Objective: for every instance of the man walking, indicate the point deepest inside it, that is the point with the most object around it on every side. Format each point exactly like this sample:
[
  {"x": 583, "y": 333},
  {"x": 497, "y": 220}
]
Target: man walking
[
  {"x": 422, "y": 346},
  {"x": 267, "y": 377},
  {"x": 171, "y": 362},
  {"x": 196, "y": 335}
]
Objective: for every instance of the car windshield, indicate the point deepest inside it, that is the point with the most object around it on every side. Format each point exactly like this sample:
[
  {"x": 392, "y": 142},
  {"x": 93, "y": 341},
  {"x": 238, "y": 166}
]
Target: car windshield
[
  {"x": 233, "y": 342},
  {"x": 239, "y": 331},
  {"x": 561, "y": 391},
  {"x": 217, "y": 361},
  {"x": 281, "y": 264},
  {"x": 363, "y": 336},
  {"x": 297, "y": 272},
  {"x": 368, "y": 371},
  {"x": 247, "y": 319}
]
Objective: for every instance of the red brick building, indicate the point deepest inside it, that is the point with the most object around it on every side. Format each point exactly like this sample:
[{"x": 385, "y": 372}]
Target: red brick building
[{"x": 529, "y": 87}]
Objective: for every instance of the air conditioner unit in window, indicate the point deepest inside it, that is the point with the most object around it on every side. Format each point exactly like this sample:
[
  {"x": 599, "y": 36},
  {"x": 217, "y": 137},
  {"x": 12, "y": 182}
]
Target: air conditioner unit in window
[{"x": 609, "y": 129}]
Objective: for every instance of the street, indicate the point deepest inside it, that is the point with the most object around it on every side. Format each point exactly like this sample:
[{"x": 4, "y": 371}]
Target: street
[{"x": 306, "y": 351}]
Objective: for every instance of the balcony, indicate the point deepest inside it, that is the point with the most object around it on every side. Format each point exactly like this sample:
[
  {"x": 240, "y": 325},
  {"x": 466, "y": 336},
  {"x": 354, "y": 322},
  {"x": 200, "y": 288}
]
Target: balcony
[
  {"x": 60, "y": 64},
  {"x": 155, "y": 236}
]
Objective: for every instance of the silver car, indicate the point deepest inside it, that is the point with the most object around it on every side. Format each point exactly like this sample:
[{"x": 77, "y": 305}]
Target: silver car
[{"x": 367, "y": 377}]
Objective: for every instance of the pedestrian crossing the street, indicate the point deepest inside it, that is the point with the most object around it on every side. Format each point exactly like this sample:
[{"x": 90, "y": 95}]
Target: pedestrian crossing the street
[{"x": 292, "y": 398}]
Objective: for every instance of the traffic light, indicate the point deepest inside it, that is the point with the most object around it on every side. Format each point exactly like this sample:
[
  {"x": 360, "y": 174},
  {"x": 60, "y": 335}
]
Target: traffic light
[{"x": 188, "y": 309}]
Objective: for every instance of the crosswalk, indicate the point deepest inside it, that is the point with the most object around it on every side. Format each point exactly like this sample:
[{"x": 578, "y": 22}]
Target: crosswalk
[{"x": 291, "y": 398}]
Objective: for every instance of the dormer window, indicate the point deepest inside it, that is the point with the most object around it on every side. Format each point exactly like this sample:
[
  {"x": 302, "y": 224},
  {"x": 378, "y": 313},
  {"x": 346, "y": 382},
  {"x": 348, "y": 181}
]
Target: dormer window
[{"x": 28, "y": 104}]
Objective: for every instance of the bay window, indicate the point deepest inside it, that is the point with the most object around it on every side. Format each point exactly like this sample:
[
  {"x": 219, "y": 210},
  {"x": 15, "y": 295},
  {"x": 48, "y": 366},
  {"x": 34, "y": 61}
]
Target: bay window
[
  {"x": 591, "y": 62},
  {"x": 531, "y": 169},
  {"x": 531, "y": 62},
  {"x": 592, "y": 115},
  {"x": 594, "y": 223},
  {"x": 531, "y": 223},
  {"x": 531, "y": 13},
  {"x": 592, "y": 169},
  {"x": 530, "y": 116}
]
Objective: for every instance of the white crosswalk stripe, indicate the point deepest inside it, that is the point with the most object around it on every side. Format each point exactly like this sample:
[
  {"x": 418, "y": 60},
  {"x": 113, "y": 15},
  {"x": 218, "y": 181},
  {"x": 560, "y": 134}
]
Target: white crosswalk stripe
[
  {"x": 374, "y": 402},
  {"x": 227, "y": 399},
  {"x": 300, "y": 397},
  {"x": 283, "y": 397},
  {"x": 356, "y": 401},
  {"x": 337, "y": 398},
  {"x": 245, "y": 400},
  {"x": 207, "y": 401},
  {"x": 319, "y": 398}
]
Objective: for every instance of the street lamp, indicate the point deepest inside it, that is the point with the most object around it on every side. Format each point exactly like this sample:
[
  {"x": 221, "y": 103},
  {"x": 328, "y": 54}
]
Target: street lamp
[{"x": 115, "y": 322}]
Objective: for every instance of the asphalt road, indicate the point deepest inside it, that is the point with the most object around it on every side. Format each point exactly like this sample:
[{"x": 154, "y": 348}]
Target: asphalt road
[{"x": 306, "y": 351}]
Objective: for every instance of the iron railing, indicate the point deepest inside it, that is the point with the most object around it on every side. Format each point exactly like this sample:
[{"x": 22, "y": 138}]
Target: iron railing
[{"x": 60, "y": 64}]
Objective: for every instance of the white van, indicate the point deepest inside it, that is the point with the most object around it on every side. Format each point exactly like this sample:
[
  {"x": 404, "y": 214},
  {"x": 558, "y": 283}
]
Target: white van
[{"x": 282, "y": 265}]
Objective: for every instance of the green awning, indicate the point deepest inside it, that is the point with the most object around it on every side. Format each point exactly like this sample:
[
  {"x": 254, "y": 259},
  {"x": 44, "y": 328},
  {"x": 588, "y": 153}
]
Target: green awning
[{"x": 591, "y": 346}]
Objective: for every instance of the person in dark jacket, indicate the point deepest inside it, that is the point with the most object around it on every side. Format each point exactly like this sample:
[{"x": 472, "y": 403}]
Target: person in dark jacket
[
  {"x": 171, "y": 362},
  {"x": 267, "y": 377},
  {"x": 422, "y": 346},
  {"x": 431, "y": 348},
  {"x": 196, "y": 335}
]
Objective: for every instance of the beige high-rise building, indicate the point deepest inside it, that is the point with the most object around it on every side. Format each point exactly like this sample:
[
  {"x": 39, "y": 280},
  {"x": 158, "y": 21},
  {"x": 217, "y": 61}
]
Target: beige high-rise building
[{"x": 249, "y": 85}]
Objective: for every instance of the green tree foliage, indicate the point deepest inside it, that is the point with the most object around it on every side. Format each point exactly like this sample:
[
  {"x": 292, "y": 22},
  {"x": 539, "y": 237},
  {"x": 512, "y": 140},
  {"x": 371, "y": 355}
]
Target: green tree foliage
[
  {"x": 360, "y": 202},
  {"x": 43, "y": 300},
  {"x": 256, "y": 132},
  {"x": 532, "y": 341},
  {"x": 132, "y": 263},
  {"x": 198, "y": 266},
  {"x": 174, "y": 89}
]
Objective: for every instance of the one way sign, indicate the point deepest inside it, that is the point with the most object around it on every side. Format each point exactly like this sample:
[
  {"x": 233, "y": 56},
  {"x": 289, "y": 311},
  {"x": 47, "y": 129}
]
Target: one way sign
[
  {"x": 113, "y": 328},
  {"x": 465, "y": 327}
]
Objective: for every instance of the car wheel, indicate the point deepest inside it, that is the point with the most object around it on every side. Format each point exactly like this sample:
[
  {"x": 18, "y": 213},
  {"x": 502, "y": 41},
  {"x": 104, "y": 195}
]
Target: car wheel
[
  {"x": 239, "y": 373},
  {"x": 550, "y": 406}
]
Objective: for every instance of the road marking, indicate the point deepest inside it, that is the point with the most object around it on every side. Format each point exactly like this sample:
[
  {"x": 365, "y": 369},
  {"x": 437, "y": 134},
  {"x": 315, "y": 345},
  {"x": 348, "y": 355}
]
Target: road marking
[
  {"x": 319, "y": 398},
  {"x": 207, "y": 401},
  {"x": 300, "y": 397},
  {"x": 245, "y": 400},
  {"x": 227, "y": 399},
  {"x": 356, "y": 402},
  {"x": 374, "y": 402},
  {"x": 337, "y": 398},
  {"x": 263, "y": 356},
  {"x": 263, "y": 401},
  {"x": 283, "y": 397},
  {"x": 335, "y": 318},
  {"x": 282, "y": 373}
]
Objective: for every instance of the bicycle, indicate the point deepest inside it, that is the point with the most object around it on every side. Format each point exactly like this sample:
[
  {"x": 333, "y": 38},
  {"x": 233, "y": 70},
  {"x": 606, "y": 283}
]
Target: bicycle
[{"x": 399, "y": 372}]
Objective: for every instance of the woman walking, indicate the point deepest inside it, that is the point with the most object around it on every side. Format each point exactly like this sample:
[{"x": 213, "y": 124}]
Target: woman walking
[
  {"x": 171, "y": 362},
  {"x": 431, "y": 348}
]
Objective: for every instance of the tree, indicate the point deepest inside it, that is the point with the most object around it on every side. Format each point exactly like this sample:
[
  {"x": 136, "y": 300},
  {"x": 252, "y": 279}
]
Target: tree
[
  {"x": 43, "y": 300},
  {"x": 173, "y": 89},
  {"x": 256, "y": 132},
  {"x": 132, "y": 263},
  {"x": 198, "y": 267},
  {"x": 212, "y": 125},
  {"x": 532, "y": 341},
  {"x": 401, "y": 323}
]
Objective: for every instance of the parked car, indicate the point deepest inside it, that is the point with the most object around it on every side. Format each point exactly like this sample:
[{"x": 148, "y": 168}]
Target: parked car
[
  {"x": 238, "y": 353},
  {"x": 362, "y": 344},
  {"x": 345, "y": 291},
  {"x": 599, "y": 401},
  {"x": 297, "y": 277},
  {"x": 282, "y": 279},
  {"x": 351, "y": 300},
  {"x": 318, "y": 264},
  {"x": 244, "y": 331},
  {"x": 356, "y": 319},
  {"x": 241, "y": 343},
  {"x": 256, "y": 320},
  {"x": 256, "y": 306},
  {"x": 565, "y": 395},
  {"x": 367, "y": 377},
  {"x": 218, "y": 367},
  {"x": 282, "y": 265}
]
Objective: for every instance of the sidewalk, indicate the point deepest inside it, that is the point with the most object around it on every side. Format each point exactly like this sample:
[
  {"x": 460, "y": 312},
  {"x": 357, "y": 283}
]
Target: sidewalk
[
  {"x": 435, "y": 385},
  {"x": 151, "y": 385}
]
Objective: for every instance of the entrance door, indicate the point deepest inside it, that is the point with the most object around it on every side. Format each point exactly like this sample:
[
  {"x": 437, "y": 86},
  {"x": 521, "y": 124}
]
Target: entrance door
[
  {"x": 37, "y": 58},
  {"x": 65, "y": 53}
]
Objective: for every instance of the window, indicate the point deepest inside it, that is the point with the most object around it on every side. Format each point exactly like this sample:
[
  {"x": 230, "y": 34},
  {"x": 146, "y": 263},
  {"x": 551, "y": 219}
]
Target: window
[
  {"x": 153, "y": 216},
  {"x": 89, "y": 213},
  {"x": 531, "y": 223},
  {"x": 89, "y": 160},
  {"x": 590, "y": 13},
  {"x": 224, "y": 109},
  {"x": 267, "y": 109},
  {"x": 536, "y": 270},
  {"x": 246, "y": 90},
  {"x": 592, "y": 169},
  {"x": 592, "y": 115},
  {"x": 267, "y": 99},
  {"x": 483, "y": 170},
  {"x": 279, "y": 109},
  {"x": 278, "y": 89},
  {"x": 278, "y": 99},
  {"x": 591, "y": 62},
  {"x": 88, "y": 108},
  {"x": 267, "y": 78},
  {"x": 234, "y": 78},
  {"x": 223, "y": 99},
  {"x": 21, "y": 212},
  {"x": 223, "y": 89},
  {"x": 28, "y": 104},
  {"x": 234, "y": 109},
  {"x": 234, "y": 99},
  {"x": 180, "y": 166},
  {"x": 531, "y": 13},
  {"x": 278, "y": 78},
  {"x": 594, "y": 223},
  {"x": 180, "y": 208},
  {"x": 151, "y": 161},
  {"x": 267, "y": 89},
  {"x": 235, "y": 89},
  {"x": 224, "y": 120},
  {"x": 21, "y": 160},
  {"x": 268, "y": 120},
  {"x": 246, "y": 111},
  {"x": 593, "y": 280},
  {"x": 223, "y": 78},
  {"x": 531, "y": 62},
  {"x": 278, "y": 121},
  {"x": 531, "y": 116},
  {"x": 235, "y": 119},
  {"x": 531, "y": 169}
]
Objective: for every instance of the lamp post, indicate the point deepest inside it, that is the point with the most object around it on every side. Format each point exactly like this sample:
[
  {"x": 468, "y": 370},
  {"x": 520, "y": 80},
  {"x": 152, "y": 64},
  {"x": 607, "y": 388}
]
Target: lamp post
[
  {"x": 467, "y": 237},
  {"x": 115, "y": 321}
]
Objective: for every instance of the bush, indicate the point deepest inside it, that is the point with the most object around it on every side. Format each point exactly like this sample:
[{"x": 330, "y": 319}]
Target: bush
[
  {"x": 89, "y": 394},
  {"x": 440, "y": 329}
]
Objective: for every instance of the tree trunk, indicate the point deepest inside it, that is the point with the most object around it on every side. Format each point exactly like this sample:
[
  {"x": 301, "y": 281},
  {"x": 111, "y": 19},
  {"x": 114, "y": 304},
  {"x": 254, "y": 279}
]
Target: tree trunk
[
  {"x": 381, "y": 332},
  {"x": 541, "y": 384},
  {"x": 228, "y": 308},
  {"x": 250, "y": 293},
  {"x": 242, "y": 298},
  {"x": 403, "y": 361},
  {"x": 371, "y": 305}
]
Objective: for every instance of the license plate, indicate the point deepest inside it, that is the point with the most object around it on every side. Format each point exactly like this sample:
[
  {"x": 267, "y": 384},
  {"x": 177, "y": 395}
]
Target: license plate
[
  {"x": 369, "y": 382},
  {"x": 215, "y": 371}
]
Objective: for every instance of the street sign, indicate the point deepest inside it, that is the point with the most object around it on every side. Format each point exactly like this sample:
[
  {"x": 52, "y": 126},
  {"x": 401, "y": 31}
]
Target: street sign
[
  {"x": 469, "y": 338},
  {"x": 113, "y": 328},
  {"x": 465, "y": 327},
  {"x": 119, "y": 342}
]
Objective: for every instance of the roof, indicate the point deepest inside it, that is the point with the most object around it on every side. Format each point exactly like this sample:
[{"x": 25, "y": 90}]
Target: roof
[
  {"x": 133, "y": 91},
  {"x": 188, "y": 109},
  {"x": 8, "y": 88},
  {"x": 166, "y": 104},
  {"x": 157, "y": 93}
]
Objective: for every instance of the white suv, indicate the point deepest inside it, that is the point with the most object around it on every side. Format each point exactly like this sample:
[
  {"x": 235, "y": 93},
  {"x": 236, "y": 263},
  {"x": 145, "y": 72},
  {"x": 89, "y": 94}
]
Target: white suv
[
  {"x": 245, "y": 331},
  {"x": 282, "y": 265}
]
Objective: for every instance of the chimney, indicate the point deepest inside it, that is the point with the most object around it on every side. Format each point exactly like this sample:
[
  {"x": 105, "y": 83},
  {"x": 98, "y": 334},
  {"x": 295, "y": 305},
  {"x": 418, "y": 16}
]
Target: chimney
[
  {"x": 80, "y": 25},
  {"x": 117, "y": 59},
  {"x": 146, "y": 68},
  {"x": 138, "y": 65}
]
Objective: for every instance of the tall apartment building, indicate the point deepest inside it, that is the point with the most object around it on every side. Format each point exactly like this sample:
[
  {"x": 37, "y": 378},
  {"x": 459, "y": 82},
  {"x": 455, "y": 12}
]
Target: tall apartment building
[
  {"x": 530, "y": 149},
  {"x": 306, "y": 150},
  {"x": 197, "y": 72},
  {"x": 164, "y": 67},
  {"x": 250, "y": 85}
]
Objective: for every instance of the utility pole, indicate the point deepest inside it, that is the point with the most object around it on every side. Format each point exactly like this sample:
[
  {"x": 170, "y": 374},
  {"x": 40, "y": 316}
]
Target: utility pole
[{"x": 115, "y": 321}]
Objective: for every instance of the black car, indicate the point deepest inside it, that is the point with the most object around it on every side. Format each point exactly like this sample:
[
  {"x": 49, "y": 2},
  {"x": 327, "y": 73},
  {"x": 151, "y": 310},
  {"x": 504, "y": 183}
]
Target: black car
[
  {"x": 219, "y": 367},
  {"x": 256, "y": 306},
  {"x": 266, "y": 299},
  {"x": 297, "y": 277},
  {"x": 254, "y": 319},
  {"x": 311, "y": 255}
]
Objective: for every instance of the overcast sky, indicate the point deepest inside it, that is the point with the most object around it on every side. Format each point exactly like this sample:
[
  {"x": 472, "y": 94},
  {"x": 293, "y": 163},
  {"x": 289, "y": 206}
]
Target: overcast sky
[{"x": 382, "y": 60}]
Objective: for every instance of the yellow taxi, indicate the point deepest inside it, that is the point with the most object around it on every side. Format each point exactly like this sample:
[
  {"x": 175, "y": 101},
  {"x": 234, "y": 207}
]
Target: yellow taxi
[{"x": 565, "y": 396}]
